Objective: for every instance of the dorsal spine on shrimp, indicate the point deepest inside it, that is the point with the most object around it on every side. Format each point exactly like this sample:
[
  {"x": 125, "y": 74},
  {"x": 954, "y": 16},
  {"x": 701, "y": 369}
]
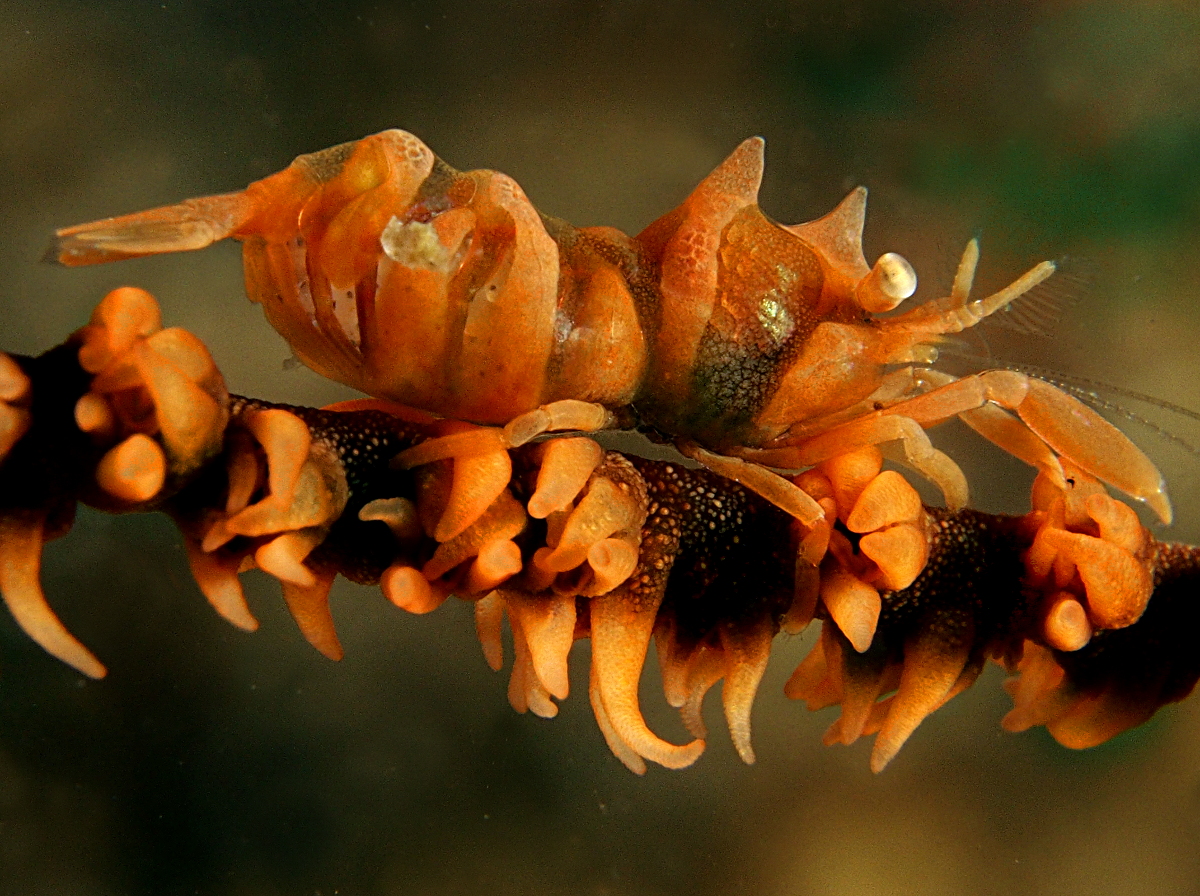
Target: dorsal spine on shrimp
[{"x": 390, "y": 271}]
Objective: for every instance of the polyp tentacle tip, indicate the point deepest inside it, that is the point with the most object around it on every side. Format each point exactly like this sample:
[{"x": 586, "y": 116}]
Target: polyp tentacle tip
[
  {"x": 476, "y": 482},
  {"x": 621, "y": 629},
  {"x": 497, "y": 561},
  {"x": 283, "y": 557},
  {"x": 14, "y": 382},
  {"x": 21, "y": 540},
  {"x": 309, "y": 606},
  {"x": 405, "y": 587},
  {"x": 747, "y": 652},
  {"x": 134, "y": 471},
  {"x": 931, "y": 669},
  {"x": 1067, "y": 627},
  {"x": 217, "y": 577},
  {"x": 853, "y": 605}
]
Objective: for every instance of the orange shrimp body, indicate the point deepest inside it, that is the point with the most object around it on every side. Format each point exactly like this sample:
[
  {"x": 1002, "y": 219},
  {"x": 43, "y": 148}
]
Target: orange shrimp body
[{"x": 388, "y": 270}]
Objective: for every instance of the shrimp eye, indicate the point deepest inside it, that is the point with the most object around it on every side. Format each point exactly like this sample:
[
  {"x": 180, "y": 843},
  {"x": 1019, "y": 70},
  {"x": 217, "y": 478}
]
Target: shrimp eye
[{"x": 890, "y": 282}]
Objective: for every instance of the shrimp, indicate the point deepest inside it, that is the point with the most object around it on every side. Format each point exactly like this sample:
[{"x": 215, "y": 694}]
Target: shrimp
[{"x": 750, "y": 344}]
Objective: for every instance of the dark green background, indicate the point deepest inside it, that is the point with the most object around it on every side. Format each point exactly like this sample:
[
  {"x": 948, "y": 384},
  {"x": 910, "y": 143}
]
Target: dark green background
[{"x": 215, "y": 762}]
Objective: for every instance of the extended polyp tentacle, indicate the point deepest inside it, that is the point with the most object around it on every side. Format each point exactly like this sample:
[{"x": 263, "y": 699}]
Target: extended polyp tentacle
[
  {"x": 708, "y": 666},
  {"x": 934, "y": 660},
  {"x": 747, "y": 649},
  {"x": 525, "y": 689},
  {"x": 621, "y": 626},
  {"x": 566, "y": 466},
  {"x": 216, "y": 572},
  {"x": 1043, "y": 695},
  {"x": 817, "y": 679},
  {"x": 477, "y": 481},
  {"x": 1035, "y": 690},
  {"x": 852, "y": 604},
  {"x": 309, "y": 606},
  {"x": 863, "y": 678},
  {"x": 547, "y": 623},
  {"x": 1101, "y": 716},
  {"x": 21, "y": 538},
  {"x": 489, "y": 628},
  {"x": 625, "y": 753},
  {"x": 283, "y": 555}
]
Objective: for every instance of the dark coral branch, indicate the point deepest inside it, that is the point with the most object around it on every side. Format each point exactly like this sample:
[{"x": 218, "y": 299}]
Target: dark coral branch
[{"x": 573, "y": 542}]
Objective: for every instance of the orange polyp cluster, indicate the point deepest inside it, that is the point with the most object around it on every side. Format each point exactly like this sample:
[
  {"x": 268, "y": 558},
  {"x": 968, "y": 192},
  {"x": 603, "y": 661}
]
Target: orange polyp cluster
[
  {"x": 147, "y": 382},
  {"x": 599, "y": 535},
  {"x": 1090, "y": 555},
  {"x": 1093, "y": 562},
  {"x": 483, "y": 544},
  {"x": 885, "y": 513},
  {"x": 300, "y": 490},
  {"x": 849, "y": 666},
  {"x": 154, "y": 410},
  {"x": 932, "y": 666},
  {"x": 1043, "y": 695}
]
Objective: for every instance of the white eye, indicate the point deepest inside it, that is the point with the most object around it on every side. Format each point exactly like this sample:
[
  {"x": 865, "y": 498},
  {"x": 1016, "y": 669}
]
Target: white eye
[{"x": 890, "y": 282}]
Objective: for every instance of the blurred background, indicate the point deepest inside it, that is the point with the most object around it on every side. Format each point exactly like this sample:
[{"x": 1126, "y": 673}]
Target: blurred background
[{"x": 215, "y": 762}]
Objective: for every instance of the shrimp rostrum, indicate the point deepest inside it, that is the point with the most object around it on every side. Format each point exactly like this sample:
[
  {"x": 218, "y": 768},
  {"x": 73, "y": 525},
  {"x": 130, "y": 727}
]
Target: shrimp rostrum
[{"x": 752, "y": 345}]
